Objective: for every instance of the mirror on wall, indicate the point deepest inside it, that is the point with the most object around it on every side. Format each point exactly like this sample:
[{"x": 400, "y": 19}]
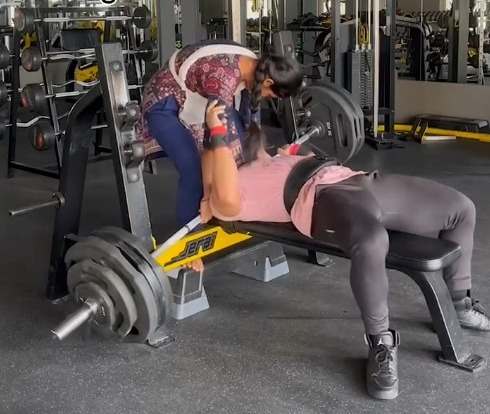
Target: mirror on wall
[{"x": 443, "y": 41}]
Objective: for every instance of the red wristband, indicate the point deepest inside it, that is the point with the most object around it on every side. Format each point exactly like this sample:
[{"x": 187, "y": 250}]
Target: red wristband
[
  {"x": 293, "y": 149},
  {"x": 219, "y": 130}
]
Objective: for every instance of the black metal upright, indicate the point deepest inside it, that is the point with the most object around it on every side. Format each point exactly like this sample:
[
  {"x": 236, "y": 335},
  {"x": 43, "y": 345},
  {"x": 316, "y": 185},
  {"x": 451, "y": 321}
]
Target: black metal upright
[
  {"x": 127, "y": 149},
  {"x": 387, "y": 72},
  {"x": 14, "y": 103},
  {"x": 77, "y": 144},
  {"x": 459, "y": 24},
  {"x": 335, "y": 51}
]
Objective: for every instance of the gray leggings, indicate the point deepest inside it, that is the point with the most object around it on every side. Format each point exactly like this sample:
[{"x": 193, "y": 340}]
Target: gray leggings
[{"x": 356, "y": 214}]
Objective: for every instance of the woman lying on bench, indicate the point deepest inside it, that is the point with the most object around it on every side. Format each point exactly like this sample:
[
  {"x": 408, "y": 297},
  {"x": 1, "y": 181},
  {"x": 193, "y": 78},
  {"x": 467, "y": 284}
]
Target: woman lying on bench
[{"x": 354, "y": 210}]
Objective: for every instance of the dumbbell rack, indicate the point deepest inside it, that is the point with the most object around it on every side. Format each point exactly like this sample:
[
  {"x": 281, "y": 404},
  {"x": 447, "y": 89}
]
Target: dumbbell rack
[{"x": 51, "y": 114}]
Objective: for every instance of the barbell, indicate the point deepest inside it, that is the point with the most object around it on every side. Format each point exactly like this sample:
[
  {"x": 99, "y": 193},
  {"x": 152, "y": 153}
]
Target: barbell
[
  {"x": 4, "y": 124},
  {"x": 32, "y": 59},
  {"x": 24, "y": 19},
  {"x": 33, "y": 96}
]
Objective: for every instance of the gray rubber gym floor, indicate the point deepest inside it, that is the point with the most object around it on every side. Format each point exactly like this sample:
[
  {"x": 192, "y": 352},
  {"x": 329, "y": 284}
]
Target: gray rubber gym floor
[{"x": 294, "y": 345}]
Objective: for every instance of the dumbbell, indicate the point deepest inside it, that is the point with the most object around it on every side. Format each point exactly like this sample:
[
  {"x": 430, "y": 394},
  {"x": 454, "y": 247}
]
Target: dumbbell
[
  {"x": 25, "y": 19},
  {"x": 31, "y": 58},
  {"x": 33, "y": 96}
]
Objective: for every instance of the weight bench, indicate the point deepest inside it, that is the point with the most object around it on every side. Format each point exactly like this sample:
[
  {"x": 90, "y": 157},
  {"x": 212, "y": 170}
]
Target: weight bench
[{"x": 421, "y": 258}]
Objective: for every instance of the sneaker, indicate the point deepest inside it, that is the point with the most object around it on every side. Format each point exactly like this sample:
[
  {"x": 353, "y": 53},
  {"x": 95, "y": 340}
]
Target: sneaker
[
  {"x": 382, "y": 369},
  {"x": 472, "y": 315}
]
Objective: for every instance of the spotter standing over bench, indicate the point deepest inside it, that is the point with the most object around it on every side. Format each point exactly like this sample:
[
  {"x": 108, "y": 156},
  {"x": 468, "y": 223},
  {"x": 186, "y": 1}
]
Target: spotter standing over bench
[{"x": 327, "y": 201}]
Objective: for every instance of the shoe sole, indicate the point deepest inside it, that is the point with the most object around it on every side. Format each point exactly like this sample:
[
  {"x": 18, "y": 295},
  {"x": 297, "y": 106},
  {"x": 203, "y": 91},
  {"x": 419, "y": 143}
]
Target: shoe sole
[{"x": 390, "y": 394}]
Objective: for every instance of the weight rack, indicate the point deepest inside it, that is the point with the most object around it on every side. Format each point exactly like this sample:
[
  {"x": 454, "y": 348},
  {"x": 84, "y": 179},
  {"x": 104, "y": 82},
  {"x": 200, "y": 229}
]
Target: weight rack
[{"x": 53, "y": 117}]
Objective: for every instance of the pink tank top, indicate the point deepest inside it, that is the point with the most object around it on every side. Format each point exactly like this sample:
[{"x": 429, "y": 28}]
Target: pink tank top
[{"x": 262, "y": 185}]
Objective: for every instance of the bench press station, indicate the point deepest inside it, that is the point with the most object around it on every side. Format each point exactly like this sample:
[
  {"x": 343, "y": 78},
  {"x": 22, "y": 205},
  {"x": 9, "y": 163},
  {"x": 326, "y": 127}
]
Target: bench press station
[{"x": 125, "y": 291}]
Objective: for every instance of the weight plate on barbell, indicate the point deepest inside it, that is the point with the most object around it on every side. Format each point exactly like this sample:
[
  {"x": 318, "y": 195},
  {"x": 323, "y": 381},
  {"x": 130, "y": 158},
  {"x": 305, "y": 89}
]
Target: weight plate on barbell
[
  {"x": 357, "y": 110},
  {"x": 31, "y": 59},
  {"x": 341, "y": 124},
  {"x": 88, "y": 271},
  {"x": 105, "y": 315},
  {"x": 42, "y": 136},
  {"x": 109, "y": 255},
  {"x": 142, "y": 17},
  {"x": 134, "y": 243},
  {"x": 148, "y": 51},
  {"x": 144, "y": 268}
]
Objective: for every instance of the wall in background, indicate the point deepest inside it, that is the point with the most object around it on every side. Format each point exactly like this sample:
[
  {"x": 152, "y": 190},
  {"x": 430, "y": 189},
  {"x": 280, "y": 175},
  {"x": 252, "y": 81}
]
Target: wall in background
[{"x": 436, "y": 98}]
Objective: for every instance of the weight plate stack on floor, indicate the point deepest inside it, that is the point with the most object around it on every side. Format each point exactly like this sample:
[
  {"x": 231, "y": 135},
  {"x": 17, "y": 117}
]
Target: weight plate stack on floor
[{"x": 116, "y": 269}]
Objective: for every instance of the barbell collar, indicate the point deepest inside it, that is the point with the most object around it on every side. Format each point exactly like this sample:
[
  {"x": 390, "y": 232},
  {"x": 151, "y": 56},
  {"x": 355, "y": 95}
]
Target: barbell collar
[
  {"x": 57, "y": 201},
  {"x": 83, "y": 314}
]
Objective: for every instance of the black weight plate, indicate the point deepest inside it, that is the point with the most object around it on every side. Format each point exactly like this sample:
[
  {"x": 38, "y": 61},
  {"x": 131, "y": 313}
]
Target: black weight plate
[
  {"x": 23, "y": 20},
  {"x": 4, "y": 56},
  {"x": 145, "y": 269},
  {"x": 42, "y": 136},
  {"x": 104, "y": 253},
  {"x": 124, "y": 306},
  {"x": 32, "y": 97},
  {"x": 148, "y": 51},
  {"x": 340, "y": 138},
  {"x": 31, "y": 59},
  {"x": 142, "y": 17},
  {"x": 134, "y": 243},
  {"x": 4, "y": 93},
  {"x": 356, "y": 109}
]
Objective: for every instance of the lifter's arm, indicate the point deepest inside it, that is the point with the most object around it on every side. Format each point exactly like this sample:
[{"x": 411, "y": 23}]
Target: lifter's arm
[{"x": 219, "y": 164}]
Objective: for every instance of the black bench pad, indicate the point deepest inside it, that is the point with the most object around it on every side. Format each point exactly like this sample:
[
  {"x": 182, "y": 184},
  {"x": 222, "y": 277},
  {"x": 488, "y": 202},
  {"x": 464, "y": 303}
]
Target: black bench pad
[{"x": 407, "y": 251}]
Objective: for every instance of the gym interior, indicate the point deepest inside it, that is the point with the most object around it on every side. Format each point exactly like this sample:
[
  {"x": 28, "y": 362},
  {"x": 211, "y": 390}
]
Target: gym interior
[{"x": 101, "y": 308}]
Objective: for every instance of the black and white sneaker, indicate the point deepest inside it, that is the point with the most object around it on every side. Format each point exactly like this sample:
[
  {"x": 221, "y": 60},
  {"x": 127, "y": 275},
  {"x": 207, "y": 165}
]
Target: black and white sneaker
[
  {"x": 382, "y": 369},
  {"x": 472, "y": 315}
]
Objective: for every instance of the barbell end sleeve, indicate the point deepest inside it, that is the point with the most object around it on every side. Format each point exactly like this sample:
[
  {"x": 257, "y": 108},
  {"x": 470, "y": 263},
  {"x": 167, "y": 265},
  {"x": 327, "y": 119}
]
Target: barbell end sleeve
[
  {"x": 84, "y": 314},
  {"x": 57, "y": 201}
]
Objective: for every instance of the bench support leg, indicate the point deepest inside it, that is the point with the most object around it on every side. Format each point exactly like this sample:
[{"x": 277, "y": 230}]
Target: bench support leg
[
  {"x": 455, "y": 350},
  {"x": 266, "y": 267}
]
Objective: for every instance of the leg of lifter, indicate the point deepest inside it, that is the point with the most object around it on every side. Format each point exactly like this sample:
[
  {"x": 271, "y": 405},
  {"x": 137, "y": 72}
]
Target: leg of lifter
[
  {"x": 421, "y": 206},
  {"x": 349, "y": 217},
  {"x": 180, "y": 146}
]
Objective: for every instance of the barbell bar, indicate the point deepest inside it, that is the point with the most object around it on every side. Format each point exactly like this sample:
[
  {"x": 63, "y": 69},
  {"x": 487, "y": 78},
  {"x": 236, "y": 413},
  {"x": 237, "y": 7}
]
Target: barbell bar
[
  {"x": 31, "y": 58},
  {"x": 24, "y": 19},
  {"x": 33, "y": 96},
  {"x": 3, "y": 127},
  {"x": 43, "y": 135}
]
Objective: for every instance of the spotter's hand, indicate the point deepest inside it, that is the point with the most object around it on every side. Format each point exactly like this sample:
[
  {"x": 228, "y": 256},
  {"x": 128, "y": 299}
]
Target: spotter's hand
[{"x": 215, "y": 115}]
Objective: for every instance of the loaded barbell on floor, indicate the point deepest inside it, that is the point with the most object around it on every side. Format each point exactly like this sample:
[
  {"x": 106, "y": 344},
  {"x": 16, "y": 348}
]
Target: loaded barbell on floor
[
  {"x": 25, "y": 19},
  {"x": 33, "y": 96},
  {"x": 32, "y": 59},
  {"x": 119, "y": 284}
]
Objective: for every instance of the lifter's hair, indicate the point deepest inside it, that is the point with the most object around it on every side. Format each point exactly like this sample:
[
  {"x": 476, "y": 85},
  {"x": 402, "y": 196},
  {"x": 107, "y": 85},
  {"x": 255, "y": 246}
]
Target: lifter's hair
[{"x": 286, "y": 74}]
